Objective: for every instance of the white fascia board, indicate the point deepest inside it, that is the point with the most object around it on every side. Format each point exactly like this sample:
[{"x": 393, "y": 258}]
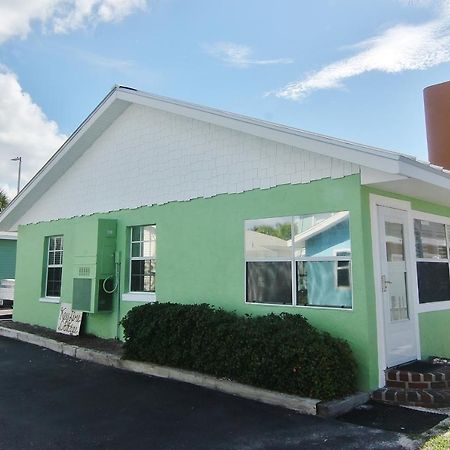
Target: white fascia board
[
  {"x": 415, "y": 179},
  {"x": 324, "y": 145},
  {"x": 412, "y": 187},
  {"x": 426, "y": 173},
  {"x": 371, "y": 176},
  {"x": 8, "y": 236}
]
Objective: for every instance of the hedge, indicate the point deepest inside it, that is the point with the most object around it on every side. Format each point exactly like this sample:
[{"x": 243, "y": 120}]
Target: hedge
[{"x": 281, "y": 352}]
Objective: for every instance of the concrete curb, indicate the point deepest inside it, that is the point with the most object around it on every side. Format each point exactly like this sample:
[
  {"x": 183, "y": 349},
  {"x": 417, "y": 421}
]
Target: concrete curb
[
  {"x": 335, "y": 408},
  {"x": 293, "y": 402}
]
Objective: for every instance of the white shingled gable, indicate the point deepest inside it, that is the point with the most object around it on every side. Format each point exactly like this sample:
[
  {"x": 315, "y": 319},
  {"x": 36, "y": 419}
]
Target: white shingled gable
[{"x": 149, "y": 156}]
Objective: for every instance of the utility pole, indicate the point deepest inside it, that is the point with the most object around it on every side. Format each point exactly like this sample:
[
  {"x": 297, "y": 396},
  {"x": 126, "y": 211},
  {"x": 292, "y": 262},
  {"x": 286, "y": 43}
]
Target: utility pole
[{"x": 18, "y": 158}]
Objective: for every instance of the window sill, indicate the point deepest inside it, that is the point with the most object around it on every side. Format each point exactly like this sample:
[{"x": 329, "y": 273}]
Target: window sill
[
  {"x": 289, "y": 305},
  {"x": 50, "y": 299},
  {"x": 433, "y": 306},
  {"x": 146, "y": 297}
]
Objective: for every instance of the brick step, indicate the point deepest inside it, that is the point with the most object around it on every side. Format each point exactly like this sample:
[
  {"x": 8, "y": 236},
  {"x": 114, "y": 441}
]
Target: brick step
[
  {"x": 438, "y": 374},
  {"x": 418, "y": 383},
  {"x": 428, "y": 398}
]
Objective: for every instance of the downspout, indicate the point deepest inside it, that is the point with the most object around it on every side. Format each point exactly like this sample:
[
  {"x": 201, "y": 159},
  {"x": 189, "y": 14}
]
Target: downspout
[{"x": 118, "y": 295}]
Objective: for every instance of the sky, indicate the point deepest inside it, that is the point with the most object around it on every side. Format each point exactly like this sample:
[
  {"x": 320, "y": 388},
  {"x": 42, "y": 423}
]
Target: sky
[{"x": 352, "y": 69}]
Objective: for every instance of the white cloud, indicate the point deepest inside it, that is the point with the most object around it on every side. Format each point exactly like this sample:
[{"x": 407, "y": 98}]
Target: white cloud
[
  {"x": 240, "y": 55},
  {"x": 16, "y": 16},
  {"x": 61, "y": 16},
  {"x": 24, "y": 131},
  {"x": 399, "y": 48},
  {"x": 24, "y": 128},
  {"x": 72, "y": 15}
]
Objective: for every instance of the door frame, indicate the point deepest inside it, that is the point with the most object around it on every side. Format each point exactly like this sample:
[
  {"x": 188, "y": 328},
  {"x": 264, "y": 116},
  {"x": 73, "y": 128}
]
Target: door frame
[{"x": 405, "y": 206}]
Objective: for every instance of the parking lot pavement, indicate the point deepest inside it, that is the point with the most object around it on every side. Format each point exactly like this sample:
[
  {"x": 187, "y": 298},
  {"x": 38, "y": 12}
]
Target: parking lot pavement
[{"x": 51, "y": 401}]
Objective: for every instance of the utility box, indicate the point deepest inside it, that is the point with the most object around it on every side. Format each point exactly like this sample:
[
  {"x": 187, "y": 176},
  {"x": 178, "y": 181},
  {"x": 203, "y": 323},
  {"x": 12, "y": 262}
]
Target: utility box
[
  {"x": 7, "y": 291},
  {"x": 94, "y": 266}
]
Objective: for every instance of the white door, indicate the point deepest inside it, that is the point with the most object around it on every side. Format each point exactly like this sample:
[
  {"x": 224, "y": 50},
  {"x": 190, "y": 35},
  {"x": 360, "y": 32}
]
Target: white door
[{"x": 399, "y": 318}]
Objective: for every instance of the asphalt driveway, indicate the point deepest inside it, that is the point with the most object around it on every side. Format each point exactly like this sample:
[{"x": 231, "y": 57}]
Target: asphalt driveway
[{"x": 51, "y": 401}]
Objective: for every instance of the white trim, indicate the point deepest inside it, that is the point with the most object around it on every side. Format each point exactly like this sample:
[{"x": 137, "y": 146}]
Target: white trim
[
  {"x": 50, "y": 299},
  {"x": 139, "y": 258},
  {"x": 433, "y": 260},
  {"x": 430, "y": 217},
  {"x": 389, "y": 202},
  {"x": 340, "y": 216},
  {"x": 374, "y": 202},
  {"x": 332, "y": 308},
  {"x": 8, "y": 235},
  {"x": 146, "y": 297},
  {"x": 57, "y": 266},
  {"x": 348, "y": 268},
  {"x": 431, "y": 306}
]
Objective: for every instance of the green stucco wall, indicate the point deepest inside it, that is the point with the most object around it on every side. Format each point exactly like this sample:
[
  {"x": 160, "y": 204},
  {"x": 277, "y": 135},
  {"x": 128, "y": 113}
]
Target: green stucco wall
[
  {"x": 433, "y": 326},
  {"x": 434, "y": 333},
  {"x": 7, "y": 258},
  {"x": 200, "y": 258}
]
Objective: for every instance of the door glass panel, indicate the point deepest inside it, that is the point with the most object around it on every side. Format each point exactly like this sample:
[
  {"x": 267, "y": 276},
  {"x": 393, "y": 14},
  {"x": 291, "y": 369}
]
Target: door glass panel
[
  {"x": 398, "y": 294},
  {"x": 396, "y": 272},
  {"x": 394, "y": 242}
]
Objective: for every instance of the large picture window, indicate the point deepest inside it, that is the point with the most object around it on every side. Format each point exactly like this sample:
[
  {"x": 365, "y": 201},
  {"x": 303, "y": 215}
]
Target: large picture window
[
  {"x": 54, "y": 266},
  {"x": 299, "y": 260},
  {"x": 433, "y": 274},
  {"x": 143, "y": 258}
]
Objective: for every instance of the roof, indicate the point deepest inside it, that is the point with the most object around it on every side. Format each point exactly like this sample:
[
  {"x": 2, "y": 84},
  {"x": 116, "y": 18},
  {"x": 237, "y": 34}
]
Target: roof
[{"x": 395, "y": 172}]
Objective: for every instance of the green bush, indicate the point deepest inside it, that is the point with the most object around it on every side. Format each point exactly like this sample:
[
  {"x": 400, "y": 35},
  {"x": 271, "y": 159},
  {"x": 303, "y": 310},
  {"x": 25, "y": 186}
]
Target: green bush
[{"x": 278, "y": 352}]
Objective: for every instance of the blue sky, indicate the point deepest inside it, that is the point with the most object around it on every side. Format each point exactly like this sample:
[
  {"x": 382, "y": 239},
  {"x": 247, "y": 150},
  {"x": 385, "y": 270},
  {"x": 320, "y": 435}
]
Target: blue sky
[{"x": 346, "y": 68}]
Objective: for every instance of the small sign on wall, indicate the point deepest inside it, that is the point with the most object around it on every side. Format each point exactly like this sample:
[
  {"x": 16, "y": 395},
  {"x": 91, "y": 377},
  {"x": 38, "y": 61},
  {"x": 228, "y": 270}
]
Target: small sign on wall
[{"x": 69, "y": 321}]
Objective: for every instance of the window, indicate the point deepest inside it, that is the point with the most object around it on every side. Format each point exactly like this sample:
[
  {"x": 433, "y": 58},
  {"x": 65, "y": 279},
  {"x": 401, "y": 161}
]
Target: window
[
  {"x": 343, "y": 271},
  {"x": 143, "y": 258},
  {"x": 300, "y": 260},
  {"x": 54, "y": 266},
  {"x": 269, "y": 260},
  {"x": 433, "y": 274}
]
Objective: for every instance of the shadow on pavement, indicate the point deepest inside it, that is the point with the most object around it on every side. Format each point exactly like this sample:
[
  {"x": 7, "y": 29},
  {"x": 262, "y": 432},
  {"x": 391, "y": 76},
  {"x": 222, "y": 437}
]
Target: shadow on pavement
[{"x": 392, "y": 418}]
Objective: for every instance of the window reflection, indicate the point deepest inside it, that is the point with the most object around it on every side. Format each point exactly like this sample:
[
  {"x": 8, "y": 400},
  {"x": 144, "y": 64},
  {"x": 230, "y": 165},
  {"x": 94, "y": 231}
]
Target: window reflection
[
  {"x": 431, "y": 239},
  {"x": 268, "y": 238},
  {"x": 313, "y": 250},
  {"x": 321, "y": 234}
]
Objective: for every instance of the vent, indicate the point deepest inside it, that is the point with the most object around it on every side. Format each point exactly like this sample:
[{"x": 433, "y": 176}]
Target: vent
[
  {"x": 82, "y": 294},
  {"x": 84, "y": 271}
]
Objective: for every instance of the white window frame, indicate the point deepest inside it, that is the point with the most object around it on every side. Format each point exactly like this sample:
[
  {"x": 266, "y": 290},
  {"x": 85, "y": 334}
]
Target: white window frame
[
  {"x": 431, "y": 306},
  {"x": 273, "y": 259},
  {"x": 53, "y": 298},
  {"x": 293, "y": 260},
  {"x": 348, "y": 268},
  {"x": 140, "y": 296}
]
